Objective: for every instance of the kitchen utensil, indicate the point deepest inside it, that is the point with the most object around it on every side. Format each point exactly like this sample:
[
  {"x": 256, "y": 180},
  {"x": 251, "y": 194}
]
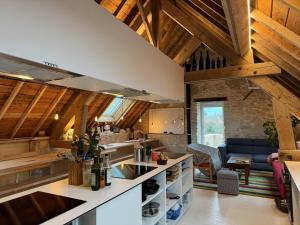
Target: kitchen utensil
[
  {"x": 138, "y": 154},
  {"x": 172, "y": 196},
  {"x": 151, "y": 209},
  {"x": 152, "y": 190}
]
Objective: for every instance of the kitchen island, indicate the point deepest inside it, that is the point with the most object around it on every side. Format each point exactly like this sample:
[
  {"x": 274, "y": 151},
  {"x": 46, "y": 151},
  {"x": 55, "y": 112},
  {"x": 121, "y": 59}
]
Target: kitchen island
[{"x": 121, "y": 203}]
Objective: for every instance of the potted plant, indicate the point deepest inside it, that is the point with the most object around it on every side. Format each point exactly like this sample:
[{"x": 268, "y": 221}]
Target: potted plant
[{"x": 271, "y": 131}]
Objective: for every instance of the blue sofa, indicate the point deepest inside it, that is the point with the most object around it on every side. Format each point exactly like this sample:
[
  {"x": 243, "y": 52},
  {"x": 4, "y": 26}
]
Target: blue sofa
[{"x": 259, "y": 149}]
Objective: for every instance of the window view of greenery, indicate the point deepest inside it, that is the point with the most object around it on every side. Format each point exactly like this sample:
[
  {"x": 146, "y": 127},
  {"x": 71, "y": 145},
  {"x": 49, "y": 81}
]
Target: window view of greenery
[{"x": 212, "y": 126}]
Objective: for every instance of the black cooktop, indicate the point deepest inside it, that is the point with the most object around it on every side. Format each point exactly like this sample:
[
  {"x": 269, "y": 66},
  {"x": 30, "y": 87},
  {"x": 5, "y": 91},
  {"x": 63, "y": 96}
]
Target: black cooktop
[
  {"x": 35, "y": 208},
  {"x": 129, "y": 171}
]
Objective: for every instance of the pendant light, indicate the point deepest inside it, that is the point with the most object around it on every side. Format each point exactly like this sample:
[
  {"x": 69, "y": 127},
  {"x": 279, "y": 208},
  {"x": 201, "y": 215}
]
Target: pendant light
[
  {"x": 140, "y": 119},
  {"x": 152, "y": 125},
  {"x": 96, "y": 119},
  {"x": 56, "y": 116}
]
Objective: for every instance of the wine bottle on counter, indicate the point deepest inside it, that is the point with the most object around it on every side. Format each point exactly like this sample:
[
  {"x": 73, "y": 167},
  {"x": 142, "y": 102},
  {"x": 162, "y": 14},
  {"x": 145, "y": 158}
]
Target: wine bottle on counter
[
  {"x": 102, "y": 174},
  {"x": 95, "y": 175},
  {"x": 107, "y": 171}
]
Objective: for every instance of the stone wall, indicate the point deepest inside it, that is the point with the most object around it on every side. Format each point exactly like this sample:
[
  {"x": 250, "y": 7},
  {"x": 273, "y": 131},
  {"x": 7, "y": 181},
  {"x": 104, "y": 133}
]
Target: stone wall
[{"x": 242, "y": 118}]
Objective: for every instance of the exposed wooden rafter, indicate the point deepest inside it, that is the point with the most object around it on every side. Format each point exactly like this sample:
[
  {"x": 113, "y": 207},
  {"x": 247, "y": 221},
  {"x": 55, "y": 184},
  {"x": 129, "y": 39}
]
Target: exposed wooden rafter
[
  {"x": 274, "y": 53},
  {"x": 187, "y": 50},
  {"x": 66, "y": 114},
  {"x": 11, "y": 98},
  {"x": 219, "y": 44},
  {"x": 48, "y": 112},
  {"x": 237, "y": 15},
  {"x": 120, "y": 6},
  {"x": 155, "y": 9},
  {"x": 276, "y": 27},
  {"x": 242, "y": 71},
  {"x": 28, "y": 110},
  {"x": 146, "y": 22},
  {"x": 295, "y": 4},
  {"x": 284, "y": 126}
]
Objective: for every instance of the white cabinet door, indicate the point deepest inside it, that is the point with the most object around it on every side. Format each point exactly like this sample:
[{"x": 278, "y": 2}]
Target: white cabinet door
[{"x": 125, "y": 209}]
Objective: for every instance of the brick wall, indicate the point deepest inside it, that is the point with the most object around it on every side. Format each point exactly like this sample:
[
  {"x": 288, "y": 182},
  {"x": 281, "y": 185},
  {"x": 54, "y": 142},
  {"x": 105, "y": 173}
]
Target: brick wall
[{"x": 242, "y": 118}]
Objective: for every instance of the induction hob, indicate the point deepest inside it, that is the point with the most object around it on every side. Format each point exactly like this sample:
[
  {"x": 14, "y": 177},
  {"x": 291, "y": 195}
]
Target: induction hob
[
  {"x": 130, "y": 171},
  {"x": 35, "y": 208}
]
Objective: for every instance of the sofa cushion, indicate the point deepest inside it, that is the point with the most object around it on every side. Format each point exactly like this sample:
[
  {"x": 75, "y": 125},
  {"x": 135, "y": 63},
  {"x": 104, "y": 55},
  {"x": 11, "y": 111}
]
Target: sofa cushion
[
  {"x": 260, "y": 158},
  {"x": 249, "y": 149},
  {"x": 260, "y": 166},
  {"x": 247, "y": 141}
]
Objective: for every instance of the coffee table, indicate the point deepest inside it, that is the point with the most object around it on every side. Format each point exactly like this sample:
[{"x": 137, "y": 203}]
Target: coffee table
[{"x": 242, "y": 162}]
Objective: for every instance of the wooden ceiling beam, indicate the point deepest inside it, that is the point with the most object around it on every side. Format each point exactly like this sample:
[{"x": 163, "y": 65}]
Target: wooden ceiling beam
[
  {"x": 276, "y": 27},
  {"x": 284, "y": 126},
  {"x": 237, "y": 15},
  {"x": 146, "y": 22},
  {"x": 11, "y": 98},
  {"x": 275, "y": 54},
  {"x": 28, "y": 110},
  {"x": 48, "y": 112},
  {"x": 66, "y": 115},
  {"x": 155, "y": 9},
  {"x": 295, "y": 4},
  {"x": 277, "y": 91},
  {"x": 231, "y": 72},
  {"x": 280, "y": 41},
  {"x": 187, "y": 50},
  {"x": 119, "y": 8},
  {"x": 204, "y": 34}
]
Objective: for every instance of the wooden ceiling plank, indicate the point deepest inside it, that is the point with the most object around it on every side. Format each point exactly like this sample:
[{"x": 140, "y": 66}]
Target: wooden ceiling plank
[
  {"x": 237, "y": 15},
  {"x": 210, "y": 14},
  {"x": 155, "y": 9},
  {"x": 28, "y": 110},
  {"x": 275, "y": 54},
  {"x": 295, "y": 4},
  {"x": 205, "y": 35},
  {"x": 277, "y": 39},
  {"x": 187, "y": 50},
  {"x": 120, "y": 6},
  {"x": 48, "y": 112},
  {"x": 276, "y": 27},
  {"x": 66, "y": 115},
  {"x": 11, "y": 98},
  {"x": 231, "y": 72},
  {"x": 146, "y": 22}
]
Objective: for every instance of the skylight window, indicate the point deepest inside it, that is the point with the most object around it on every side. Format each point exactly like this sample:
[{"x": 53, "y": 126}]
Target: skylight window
[{"x": 113, "y": 107}]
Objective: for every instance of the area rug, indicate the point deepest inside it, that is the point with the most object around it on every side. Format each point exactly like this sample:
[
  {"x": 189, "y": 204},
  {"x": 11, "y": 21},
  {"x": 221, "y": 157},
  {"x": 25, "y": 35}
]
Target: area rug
[{"x": 261, "y": 184}]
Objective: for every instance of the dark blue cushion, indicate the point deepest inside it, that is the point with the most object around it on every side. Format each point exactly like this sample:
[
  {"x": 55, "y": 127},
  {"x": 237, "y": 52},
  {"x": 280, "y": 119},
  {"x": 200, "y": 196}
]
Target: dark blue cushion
[
  {"x": 247, "y": 141},
  {"x": 260, "y": 158},
  {"x": 247, "y": 149},
  {"x": 260, "y": 166}
]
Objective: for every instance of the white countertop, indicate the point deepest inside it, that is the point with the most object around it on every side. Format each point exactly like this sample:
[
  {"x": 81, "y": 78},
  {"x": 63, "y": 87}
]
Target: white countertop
[
  {"x": 93, "y": 198},
  {"x": 294, "y": 169},
  {"x": 116, "y": 145}
]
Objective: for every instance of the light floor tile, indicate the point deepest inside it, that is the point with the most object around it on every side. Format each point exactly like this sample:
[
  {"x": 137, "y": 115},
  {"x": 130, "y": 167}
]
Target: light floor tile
[{"x": 211, "y": 208}]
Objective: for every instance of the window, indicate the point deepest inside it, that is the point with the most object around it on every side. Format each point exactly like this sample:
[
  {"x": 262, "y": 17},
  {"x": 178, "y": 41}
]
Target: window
[
  {"x": 210, "y": 123},
  {"x": 107, "y": 115}
]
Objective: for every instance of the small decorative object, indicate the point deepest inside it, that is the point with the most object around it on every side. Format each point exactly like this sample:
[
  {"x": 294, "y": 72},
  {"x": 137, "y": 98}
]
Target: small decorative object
[
  {"x": 83, "y": 150},
  {"x": 162, "y": 159},
  {"x": 75, "y": 173}
]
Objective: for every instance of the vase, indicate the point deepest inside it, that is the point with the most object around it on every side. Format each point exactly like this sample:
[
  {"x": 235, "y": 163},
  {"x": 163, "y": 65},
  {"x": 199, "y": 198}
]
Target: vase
[{"x": 75, "y": 173}]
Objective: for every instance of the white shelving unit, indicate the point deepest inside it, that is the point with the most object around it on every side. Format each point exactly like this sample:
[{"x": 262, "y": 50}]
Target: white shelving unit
[{"x": 182, "y": 186}]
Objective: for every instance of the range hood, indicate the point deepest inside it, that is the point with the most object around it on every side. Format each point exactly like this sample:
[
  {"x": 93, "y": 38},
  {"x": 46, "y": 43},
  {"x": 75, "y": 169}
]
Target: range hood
[
  {"x": 14, "y": 67},
  {"x": 76, "y": 43}
]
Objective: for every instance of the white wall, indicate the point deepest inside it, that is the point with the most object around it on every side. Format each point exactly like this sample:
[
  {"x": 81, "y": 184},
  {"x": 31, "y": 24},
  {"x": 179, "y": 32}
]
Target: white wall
[{"x": 81, "y": 37}]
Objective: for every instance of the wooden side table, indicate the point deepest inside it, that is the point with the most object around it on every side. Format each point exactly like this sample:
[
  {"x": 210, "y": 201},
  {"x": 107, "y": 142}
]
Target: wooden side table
[{"x": 243, "y": 163}]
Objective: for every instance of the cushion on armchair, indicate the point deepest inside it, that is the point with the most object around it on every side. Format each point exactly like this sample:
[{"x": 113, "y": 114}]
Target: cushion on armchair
[{"x": 206, "y": 154}]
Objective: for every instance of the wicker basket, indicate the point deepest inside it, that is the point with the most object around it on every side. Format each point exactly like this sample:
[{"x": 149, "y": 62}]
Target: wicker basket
[{"x": 75, "y": 174}]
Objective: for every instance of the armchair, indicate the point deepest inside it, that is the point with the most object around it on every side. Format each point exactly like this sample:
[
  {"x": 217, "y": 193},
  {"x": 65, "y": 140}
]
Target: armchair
[{"x": 205, "y": 158}]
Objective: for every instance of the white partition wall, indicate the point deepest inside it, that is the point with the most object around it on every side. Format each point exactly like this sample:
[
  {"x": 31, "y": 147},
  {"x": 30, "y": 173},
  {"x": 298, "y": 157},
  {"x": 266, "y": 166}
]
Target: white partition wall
[{"x": 81, "y": 37}]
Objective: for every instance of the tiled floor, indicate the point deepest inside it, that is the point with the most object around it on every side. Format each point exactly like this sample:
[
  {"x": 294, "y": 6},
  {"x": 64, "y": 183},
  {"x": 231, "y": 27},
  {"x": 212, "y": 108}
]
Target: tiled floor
[{"x": 209, "y": 208}]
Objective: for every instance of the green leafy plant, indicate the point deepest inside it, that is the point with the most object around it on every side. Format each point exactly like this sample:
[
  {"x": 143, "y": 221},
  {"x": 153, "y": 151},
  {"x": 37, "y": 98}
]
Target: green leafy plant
[{"x": 271, "y": 131}]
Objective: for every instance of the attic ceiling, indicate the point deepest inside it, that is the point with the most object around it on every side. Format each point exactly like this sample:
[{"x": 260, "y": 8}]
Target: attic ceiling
[{"x": 180, "y": 40}]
